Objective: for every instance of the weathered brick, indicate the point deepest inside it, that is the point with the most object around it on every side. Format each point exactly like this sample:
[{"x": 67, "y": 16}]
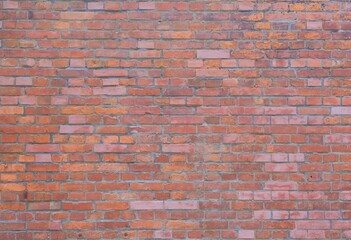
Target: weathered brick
[
  {"x": 76, "y": 129},
  {"x": 147, "y": 5},
  {"x": 181, "y": 205},
  {"x": 177, "y": 148},
  {"x": 109, "y": 148},
  {"x": 110, "y": 73},
  {"x": 213, "y": 54},
  {"x": 281, "y": 167},
  {"x": 95, "y": 5},
  {"x": 246, "y": 234},
  {"x": 140, "y": 205},
  {"x": 10, "y": 5}
]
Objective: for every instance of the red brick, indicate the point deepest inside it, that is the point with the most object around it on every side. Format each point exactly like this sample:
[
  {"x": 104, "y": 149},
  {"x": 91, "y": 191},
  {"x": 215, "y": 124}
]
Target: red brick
[
  {"x": 146, "y": 224},
  {"x": 179, "y": 73},
  {"x": 12, "y": 226},
  {"x": 112, "y": 206},
  {"x": 77, "y": 110},
  {"x": 178, "y": 35},
  {"x": 11, "y": 110},
  {"x": 341, "y": 224},
  {"x": 77, "y": 15},
  {"x": 262, "y": 215},
  {"x": 42, "y": 148},
  {"x": 42, "y": 187},
  {"x": 76, "y": 167},
  {"x": 177, "y": 224},
  {"x": 78, "y": 225},
  {"x": 80, "y": 206},
  {"x": 77, "y": 186},
  {"x": 312, "y": 224},
  {"x": 12, "y": 187},
  {"x": 111, "y": 130},
  {"x": 12, "y": 206}
]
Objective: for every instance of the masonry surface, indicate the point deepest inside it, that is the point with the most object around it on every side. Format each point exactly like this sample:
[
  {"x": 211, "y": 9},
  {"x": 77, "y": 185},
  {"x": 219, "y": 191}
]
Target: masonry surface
[{"x": 175, "y": 120}]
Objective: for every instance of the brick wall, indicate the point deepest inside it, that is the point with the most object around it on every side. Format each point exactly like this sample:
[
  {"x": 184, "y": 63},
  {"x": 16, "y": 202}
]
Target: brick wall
[{"x": 175, "y": 120}]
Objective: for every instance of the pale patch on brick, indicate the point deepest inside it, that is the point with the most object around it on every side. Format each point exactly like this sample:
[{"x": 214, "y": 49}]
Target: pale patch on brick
[
  {"x": 281, "y": 167},
  {"x": 296, "y": 157},
  {"x": 55, "y": 225},
  {"x": 315, "y": 234},
  {"x": 213, "y": 54},
  {"x": 7, "y": 81},
  {"x": 263, "y": 214},
  {"x": 279, "y": 157},
  {"x": 147, "y": 5},
  {"x": 95, "y": 5},
  {"x": 110, "y": 148},
  {"x": 177, "y": 148},
  {"x": 299, "y": 234},
  {"x": 281, "y": 185},
  {"x": 146, "y": 44},
  {"x": 298, "y": 214},
  {"x": 10, "y": 4},
  {"x": 262, "y": 196},
  {"x": 110, "y": 73},
  {"x": 347, "y": 234},
  {"x": 280, "y": 195},
  {"x": 345, "y": 195},
  {"x": 245, "y": 195},
  {"x": 163, "y": 234},
  {"x": 43, "y": 158},
  {"x": 263, "y": 157},
  {"x": 76, "y": 119},
  {"x": 77, "y": 63},
  {"x": 181, "y": 205},
  {"x": 231, "y": 138},
  {"x": 110, "y": 91},
  {"x": 341, "y": 110},
  {"x": 247, "y": 234},
  {"x": 280, "y": 215},
  {"x": 211, "y": 73},
  {"x": 76, "y": 129},
  {"x": 312, "y": 224},
  {"x": 146, "y": 205}
]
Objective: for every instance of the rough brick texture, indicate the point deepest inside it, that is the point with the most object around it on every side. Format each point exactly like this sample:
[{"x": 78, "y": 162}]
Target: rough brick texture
[{"x": 175, "y": 120}]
